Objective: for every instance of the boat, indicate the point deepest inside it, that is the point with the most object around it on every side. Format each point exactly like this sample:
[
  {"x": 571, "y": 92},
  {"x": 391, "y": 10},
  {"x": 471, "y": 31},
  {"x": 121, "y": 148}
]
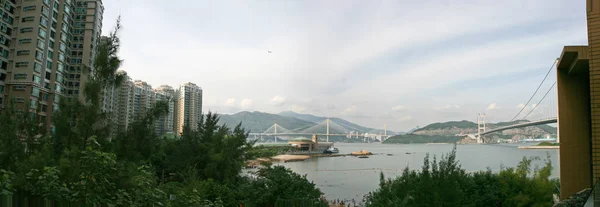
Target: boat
[
  {"x": 363, "y": 156},
  {"x": 332, "y": 150}
]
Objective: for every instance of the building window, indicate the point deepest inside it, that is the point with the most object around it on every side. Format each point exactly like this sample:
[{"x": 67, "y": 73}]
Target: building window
[
  {"x": 45, "y": 97},
  {"x": 26, "y": 29},
  {"x": 4, "y": 41},
  {"x": 42, "y": 33},
  {"x": 20, "y": 76},
  {"x": 62, "y": 47},
  {"x": 25, "y": 41},
  {"x": 56, "y": 98},
  {"x": 41, "y": 44},
  {"x": 28, "y": 19},
  {"x": 63, "y": 37},
  {"x": 44, "y": 21},
  {"x": 45, "y": 11},
  {"x": 67, "y": 10},
  {"x": 47, "y": 2},
  {"x": 4, "y": 28},
  {"x": 60, "y": 67},
  {"x": 19, "y": 87},
  {"x": 8, "y": 19},
  {"x": 57, "y": 88},
  {"x": 61, "y": 57},
  {"x": 52, "y": 34},
  {"x": 23, "y": 52},
  {"x": 59, "y": 78},
  {"x": 51, "y": 44},
  {"x": 37, "y": 79},
  {"x": 65, "y": 28},
  {"x": 48, "y": 65},
  {"x": 19, "y": 100},
  {"x": 37, "y": 67},
  {"x": 44, "y": 108},
  {"x": 29, "y": 8},
  {"x": 35, "y": 92},
  {"x": 21, "y": 64},
  {"x": 39, "y": 55},
  {"x": 50, "y": 54},
  {"x": 33, "y": 104},
  {"x": 3, "y": 53},
  {"x": 55, "y": 5}
]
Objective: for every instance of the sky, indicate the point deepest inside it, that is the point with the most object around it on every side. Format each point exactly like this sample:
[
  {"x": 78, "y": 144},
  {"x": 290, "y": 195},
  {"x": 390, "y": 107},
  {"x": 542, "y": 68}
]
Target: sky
[{"x": 399, "y": 63}]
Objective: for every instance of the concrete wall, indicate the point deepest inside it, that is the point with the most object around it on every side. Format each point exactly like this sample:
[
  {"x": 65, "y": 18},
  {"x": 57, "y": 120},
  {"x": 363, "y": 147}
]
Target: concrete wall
[
  {"x": 593, "y": 23},
  {"x": 573, "y": 119}
]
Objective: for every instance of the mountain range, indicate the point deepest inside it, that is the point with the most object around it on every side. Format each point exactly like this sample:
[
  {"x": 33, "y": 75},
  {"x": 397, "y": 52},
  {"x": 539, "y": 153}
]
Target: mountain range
[{"x": 294, "y": 122}]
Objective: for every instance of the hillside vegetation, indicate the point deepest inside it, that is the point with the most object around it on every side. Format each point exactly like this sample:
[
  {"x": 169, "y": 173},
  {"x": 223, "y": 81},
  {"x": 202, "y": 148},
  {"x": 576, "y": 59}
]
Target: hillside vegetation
[{"x": 420, "y": 139}]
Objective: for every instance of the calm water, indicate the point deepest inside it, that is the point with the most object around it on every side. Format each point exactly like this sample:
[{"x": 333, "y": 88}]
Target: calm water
[{"x": 351, "y": 177}]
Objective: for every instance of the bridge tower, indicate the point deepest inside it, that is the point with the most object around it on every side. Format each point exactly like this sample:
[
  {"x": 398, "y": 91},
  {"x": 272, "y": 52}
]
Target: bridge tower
[
  {"x": 275, "y": 135},
  {"x": 480, "y": 127},
  {"x": 327, "y": 129}
]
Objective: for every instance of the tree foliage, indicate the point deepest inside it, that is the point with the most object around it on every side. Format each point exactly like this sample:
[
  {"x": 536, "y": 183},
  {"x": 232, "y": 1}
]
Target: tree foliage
[
  {"x": 445, "y": 183},
  {"x": 84, "y": 161}
]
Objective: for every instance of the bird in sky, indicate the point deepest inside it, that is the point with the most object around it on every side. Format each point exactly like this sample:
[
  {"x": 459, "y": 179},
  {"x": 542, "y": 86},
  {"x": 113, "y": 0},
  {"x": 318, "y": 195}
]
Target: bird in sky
[{"x": 270, "y": 51}]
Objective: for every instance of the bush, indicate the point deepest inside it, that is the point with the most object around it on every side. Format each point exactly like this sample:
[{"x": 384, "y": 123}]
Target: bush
[{"x": 445, "y": 183}]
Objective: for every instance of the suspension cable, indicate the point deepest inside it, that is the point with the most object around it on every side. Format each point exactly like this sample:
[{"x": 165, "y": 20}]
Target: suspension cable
[
  {"x": 547, "y": 92},
  {"x": 536, "y": 90}
]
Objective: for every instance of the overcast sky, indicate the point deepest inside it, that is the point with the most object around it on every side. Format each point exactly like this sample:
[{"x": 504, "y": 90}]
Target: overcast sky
[{"x": 400, "y": 63}]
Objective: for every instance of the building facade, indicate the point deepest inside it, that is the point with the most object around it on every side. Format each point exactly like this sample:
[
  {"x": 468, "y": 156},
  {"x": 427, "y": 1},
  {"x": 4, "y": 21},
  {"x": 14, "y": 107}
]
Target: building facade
[
  {"x": 188, "y": 107},
  {"x": 35, "y": 54},
  {"x": 578, "y": 87},
  {"x": 87, "y": 28},
  {"x": 37, "y": 66},
  {"x": 165, "y": 125}
]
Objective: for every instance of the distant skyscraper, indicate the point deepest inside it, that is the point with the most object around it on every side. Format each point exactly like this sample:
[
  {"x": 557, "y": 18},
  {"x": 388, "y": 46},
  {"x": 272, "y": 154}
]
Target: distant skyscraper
[
  {"x": 87, "y": 28},
  {"x": 165, "y": 124},
  {"x": 123, "y": 109},
  {"x": 188, "y": 107}
]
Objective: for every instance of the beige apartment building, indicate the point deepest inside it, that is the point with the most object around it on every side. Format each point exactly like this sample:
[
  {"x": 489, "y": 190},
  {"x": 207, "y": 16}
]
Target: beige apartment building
[
  {"x": 188, "y": 107},
  {"x": 165, "y": 125},
  {"x": 35, "y": 54},
  {"x": 87, "y": 31}
]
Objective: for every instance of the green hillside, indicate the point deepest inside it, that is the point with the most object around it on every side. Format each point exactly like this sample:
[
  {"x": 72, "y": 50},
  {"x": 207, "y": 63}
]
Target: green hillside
[
  {"x": 467, "y": 124},
  {"x": 420, "y": 139},
  {"x": 318, "y": 119},
  {"x": 450, "y": 124},
  {"x": 259, "y": 122}
]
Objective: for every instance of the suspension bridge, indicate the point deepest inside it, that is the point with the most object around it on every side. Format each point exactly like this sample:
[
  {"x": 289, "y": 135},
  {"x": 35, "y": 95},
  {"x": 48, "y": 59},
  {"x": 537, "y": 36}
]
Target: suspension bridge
[
  {"x": 324, "y": 128},
  {"x": 544, "y": 111}
]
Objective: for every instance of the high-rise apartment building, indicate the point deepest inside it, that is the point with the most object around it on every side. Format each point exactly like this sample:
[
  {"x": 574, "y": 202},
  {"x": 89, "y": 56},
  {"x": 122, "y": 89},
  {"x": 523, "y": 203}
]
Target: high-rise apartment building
[
  {"x": 87, "y": 28},
  {"x": 165, "y": 124},
  {"x": 35, "y": 52},
  {"x": 123, "y": 103},
  {"x": 39, "y": 54},
  {"x": 143, "y": 99},
  {"x": 188, "y": 106}
]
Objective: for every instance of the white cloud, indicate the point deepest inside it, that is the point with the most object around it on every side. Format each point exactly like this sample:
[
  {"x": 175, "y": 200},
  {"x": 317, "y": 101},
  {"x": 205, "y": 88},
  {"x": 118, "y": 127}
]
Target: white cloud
[
  {"x": 398, "y": 108},
  {"x": 521, "y": 105},
  {"x": 230, "y": 102},
  {"x": 352, "y": 110},
  {"x": 492, "y": 106},
  {"x": 298, "y": 108},
  {"x": 404, "y": 118},
  {"x": 246, "y": 104},
  {"x": 446, "y": 107},
  {"x": 277, "y": 101}
]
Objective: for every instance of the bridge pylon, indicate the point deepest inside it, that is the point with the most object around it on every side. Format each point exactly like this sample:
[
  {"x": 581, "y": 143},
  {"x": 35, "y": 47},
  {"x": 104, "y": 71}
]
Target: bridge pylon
[{"x": 480, "y": 127}]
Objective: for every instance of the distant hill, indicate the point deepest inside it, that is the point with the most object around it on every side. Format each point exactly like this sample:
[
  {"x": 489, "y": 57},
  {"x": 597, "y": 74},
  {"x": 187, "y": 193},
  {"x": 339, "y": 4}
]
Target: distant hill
[
  {"x": 457, "y": 127},
  {"x": 341, "y": 122},
  {"x": 421, "y": 139},
  {"x": 302, "y": 123},
  {"x": 259, "y": 122}
]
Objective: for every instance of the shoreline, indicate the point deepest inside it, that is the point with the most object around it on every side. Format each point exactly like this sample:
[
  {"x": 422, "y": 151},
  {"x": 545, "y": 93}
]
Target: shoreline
[{"x": 539, "y": 147}]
